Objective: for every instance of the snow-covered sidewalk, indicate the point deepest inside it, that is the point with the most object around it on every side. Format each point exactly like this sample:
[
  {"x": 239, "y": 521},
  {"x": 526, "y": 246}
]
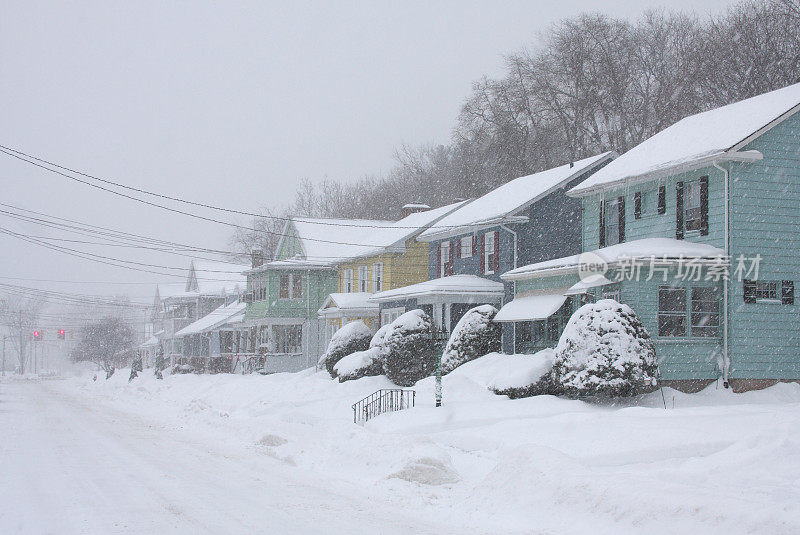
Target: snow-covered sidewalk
[{"x": 282, "y": 452}]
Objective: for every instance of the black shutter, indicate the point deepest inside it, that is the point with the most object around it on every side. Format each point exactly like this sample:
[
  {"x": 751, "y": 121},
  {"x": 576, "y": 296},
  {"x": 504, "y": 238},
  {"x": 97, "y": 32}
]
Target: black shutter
[
  {"x": 787, "y": 292},
  {"x": 602, "y": 224},
  {"x": 704, "y": 206},
  {"x": 637, "y": 205},
  {"x": 662, "y": 199},
  {"x": 621, "y": 208},
  {"x": 749, "y": 289},
  {"x": 679, "y": 210}
]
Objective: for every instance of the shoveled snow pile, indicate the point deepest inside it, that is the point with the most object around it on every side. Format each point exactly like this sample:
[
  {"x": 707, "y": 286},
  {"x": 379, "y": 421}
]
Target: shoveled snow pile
[
  {"x": 604, "y": 350},
  {"x": 353, "y": 336},
  {"x": 500, "y": 372},
  {"x": 364, "y": 363},
  {"x": 474, "y": 335}
]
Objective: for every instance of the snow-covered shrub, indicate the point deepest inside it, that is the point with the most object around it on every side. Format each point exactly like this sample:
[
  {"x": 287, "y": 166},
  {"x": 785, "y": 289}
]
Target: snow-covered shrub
[
  {"x": 363, "y": 363},
  {"x": 474, "y": 335},
  {"x": 354, "y": 336},
  {"x": 409, "y": 352},
  {"x": 604, "y": 350},
  {"x": 136, "y": 367},
  {"x": 161, "y": 363},
  {"x": 522, "y": 376}
]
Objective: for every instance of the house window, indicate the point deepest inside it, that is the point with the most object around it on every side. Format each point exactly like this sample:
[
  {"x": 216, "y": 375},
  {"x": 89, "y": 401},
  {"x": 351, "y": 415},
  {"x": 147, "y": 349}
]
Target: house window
[
  {"x": 691, "y": 205},
  {"x": 705, "y": 311},
  {"x": 489, "y": 257},
  {"x": 288, "y": 339},
  {"x": 671, "y": 311},
  {"x": 390, "y": 314},
  {"x": 377, "y": 277},
  {"x": 466, "y": 247},
  {"x": 611, "y": 218},
  {"x": 291, "y": 286},
  {"x": 445, "y": 267},
  {"x": 362, "y": 278},
  {"x": 347, "y": 282}
]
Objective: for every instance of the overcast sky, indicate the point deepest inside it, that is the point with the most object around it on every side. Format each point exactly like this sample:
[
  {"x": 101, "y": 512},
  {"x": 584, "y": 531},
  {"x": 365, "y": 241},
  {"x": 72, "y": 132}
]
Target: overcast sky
[{"x": 232, "y": 104}]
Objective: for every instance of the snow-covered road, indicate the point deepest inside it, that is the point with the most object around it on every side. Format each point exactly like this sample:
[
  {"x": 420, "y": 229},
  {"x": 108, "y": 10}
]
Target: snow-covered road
[{"x": 67, "y": 466}]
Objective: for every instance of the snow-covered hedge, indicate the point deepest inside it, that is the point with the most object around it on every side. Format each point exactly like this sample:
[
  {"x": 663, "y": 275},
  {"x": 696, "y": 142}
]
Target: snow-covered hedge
[
  {"x": 474, "y": 335},
  {"x": 522, "y": 376},
  {"x": 352, "y": 337},
  {"x": 604, "y": 350},
  {"x": 363, "y": 363},
  {"x": 408, "y": 351}
]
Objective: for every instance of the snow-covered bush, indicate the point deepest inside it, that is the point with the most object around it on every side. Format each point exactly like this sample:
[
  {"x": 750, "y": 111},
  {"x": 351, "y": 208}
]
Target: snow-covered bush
[
  {"x": 474, "y": 335},
  {"x": 522, "y": 376},
  {"x": 409, "y": 352},
  {"x": 363, "y": 363},
  {"x": 136, "y": 367},
  {"x": 161, "y": 363},
  {"x": 604, "y": 350},
  {"x": 354, "y": 336}
]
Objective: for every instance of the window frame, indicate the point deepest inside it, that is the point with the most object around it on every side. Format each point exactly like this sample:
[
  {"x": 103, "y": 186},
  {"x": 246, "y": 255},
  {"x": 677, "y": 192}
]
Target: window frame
[
  {"x": 377, "y": 277},
  {"x": 363, "y": 282},
  {"x": 678, "y": 313},
  {"x": 488, "y": 253},
  {"x": 291, "y": 280},
  {"x": 444, "y": 258},
  {"x": 768, "y": 298},
  {"x": 288, "y": 342},
  {"x": 347, "y": 280},
  {"x": 704, "y": 330},
  {"x": 692, "y": 224},
  {"x": 466, "y": 247},
  {"x": 608, "y": 203}
]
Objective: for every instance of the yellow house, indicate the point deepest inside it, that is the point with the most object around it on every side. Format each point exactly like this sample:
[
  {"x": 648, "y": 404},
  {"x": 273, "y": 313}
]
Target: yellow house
[{"x": 394, "y": 259}]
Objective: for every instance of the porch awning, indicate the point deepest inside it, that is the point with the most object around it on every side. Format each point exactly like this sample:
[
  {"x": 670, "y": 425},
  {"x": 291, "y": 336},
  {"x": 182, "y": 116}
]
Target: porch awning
[
  {"x": 531, "y": 308},
  {"x": 592, "y": 282}
]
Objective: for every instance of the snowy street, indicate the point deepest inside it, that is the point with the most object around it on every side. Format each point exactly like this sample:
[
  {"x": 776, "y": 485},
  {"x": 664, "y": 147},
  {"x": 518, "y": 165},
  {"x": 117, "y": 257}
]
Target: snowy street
[
  {"x": 69, "y": 467},
  {"x": 280, "y": 454}
]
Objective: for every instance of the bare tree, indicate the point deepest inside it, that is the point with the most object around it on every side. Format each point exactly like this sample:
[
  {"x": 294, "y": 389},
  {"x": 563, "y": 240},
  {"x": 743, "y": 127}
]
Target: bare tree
[
  {"x": 20, "y": 315},
  {"x": 107, "y": 342}
]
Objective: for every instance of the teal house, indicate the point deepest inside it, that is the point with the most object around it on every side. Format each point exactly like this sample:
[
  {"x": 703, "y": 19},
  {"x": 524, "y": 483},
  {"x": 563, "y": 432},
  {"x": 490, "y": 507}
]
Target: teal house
[{"x": 697, "y": 229}]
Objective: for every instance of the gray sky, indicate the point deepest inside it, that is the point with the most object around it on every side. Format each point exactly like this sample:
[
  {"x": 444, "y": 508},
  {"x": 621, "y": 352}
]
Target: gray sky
[{"x": 230, "y": 104}]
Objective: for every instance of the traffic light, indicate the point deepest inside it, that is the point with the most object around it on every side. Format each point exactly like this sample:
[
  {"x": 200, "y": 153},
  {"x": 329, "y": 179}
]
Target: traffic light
[
  {"x": 62, "y": 334},
  {"x": 37, "y": 336}
]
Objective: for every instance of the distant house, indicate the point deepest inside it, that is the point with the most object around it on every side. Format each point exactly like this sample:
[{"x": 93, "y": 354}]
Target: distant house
[
  {"x": 716, "y": 193},
  {"x": 527, "y": 219}
]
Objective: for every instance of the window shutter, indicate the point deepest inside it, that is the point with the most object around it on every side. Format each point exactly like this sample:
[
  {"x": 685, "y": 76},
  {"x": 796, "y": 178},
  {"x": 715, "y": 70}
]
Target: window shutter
[
  {"x": 458, "y": 248},
  {"x": 662, "y": 199},
  {"x": 679, "y": 210},
  {"x": 496, "y": 251},
  {"x": 704, "y": 206},
  {"x": 637, "y": 205},
  {"x": 749, "y": 290},
  {"x": 439, "y": 261},
  {"x": 450, "y": 263},
  {"x": 787, "y": 292},
  {"x": 602, "y": 241},
  {"x": 483, "y": 252},
  {"x": 621, "y": 208}
]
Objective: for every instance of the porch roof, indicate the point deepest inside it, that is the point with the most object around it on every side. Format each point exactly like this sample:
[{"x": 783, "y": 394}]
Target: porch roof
[
  {"x": 662, "y": 249},
  {"x": 456, "y": 285},
  {"x": 215, "y": 318},
  {"x": 531, "y": 307},
  {"x": 352, "y": 302}
]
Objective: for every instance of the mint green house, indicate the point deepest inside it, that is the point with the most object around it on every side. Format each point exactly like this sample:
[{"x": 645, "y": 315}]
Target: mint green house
[{"x": 697, "y": 229}]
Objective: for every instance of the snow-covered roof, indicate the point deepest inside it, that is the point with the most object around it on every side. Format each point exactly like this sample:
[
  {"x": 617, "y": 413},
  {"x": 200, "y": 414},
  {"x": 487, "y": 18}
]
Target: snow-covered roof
[
  {"x": 698, "y": 140},
  {"x": 326, "y": 242},
  {"x": 215, "y": 318},
  {"x": 510, "y": 198},
  {"x": 150, "y": 342},
  {"x": 659, "y": 248},
  {"x": 348, "y": 302},
  {"x": 531, "y": 307},
  {"x": 212, "y": 277},
  {"x": 172, "y": 289},
  {"x": 454, "y": 285}
]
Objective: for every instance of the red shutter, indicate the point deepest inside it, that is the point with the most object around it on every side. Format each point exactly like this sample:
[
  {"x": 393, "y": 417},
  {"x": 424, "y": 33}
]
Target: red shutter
[
  {"x": 482, "y": 252},
  {"x": 450, "y": 264},
  {"x": 496, "y": 251},
  {"x": 458, "y": 248},
  {"x": 439, "y": 261}
]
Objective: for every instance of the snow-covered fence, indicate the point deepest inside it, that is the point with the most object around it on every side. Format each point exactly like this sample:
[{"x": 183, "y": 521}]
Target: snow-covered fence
[{"x": 384, "y": 400}]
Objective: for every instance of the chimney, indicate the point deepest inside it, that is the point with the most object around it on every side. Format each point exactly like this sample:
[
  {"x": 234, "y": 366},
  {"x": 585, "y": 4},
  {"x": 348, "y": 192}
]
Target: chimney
[
  {"x": 571, "y": 165},
  {"x": 257, "y": 257},
  {"x": 413, "y": 208}
]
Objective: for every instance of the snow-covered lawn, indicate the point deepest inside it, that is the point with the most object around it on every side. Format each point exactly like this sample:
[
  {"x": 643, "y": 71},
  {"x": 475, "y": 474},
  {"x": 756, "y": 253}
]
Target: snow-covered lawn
[{"x": 715, "y": 463}]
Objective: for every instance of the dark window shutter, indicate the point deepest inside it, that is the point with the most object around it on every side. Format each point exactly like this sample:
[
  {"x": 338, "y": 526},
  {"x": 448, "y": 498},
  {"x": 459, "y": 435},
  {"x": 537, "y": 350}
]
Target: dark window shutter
[
  {"x": 482, "y": 252},
  {"x": 704, "y": 206},
  {"x": 439, "y": 260},
  {"x": 679, "y": 210},
  {"x": 602, "y": 224},
  {"x": 662, "y": 199},
  {"x": 450, "y": 263},
  {"x": 474, "y": 244},
  {"x": 458, "y": 248},
  {"x": 787, "y": 292},
  {"x": 621, "y": 208},
  {"x": 749, "y": 289},
  {"x": 496, "y": 251},
  {"x": 637, "y": 205}
]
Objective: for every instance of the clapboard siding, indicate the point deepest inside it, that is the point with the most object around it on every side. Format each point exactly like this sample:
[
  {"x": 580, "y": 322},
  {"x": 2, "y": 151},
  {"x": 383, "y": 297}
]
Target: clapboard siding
[{"x": 765, "y": 220}]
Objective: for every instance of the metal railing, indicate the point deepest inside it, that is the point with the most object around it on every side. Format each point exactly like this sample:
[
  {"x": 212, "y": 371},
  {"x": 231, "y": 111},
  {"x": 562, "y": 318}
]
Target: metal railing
[
  {"x": 245, "y": 362},
  {"x": 384, "y": 400}
]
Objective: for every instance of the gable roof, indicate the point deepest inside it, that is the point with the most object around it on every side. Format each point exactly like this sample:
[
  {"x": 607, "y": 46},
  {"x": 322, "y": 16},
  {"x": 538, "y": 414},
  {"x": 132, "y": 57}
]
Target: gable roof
[
  {"x": 500, "y": 204},
  {"x": 326, "y": 242},
  {"x": 698, "y": 140}
]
